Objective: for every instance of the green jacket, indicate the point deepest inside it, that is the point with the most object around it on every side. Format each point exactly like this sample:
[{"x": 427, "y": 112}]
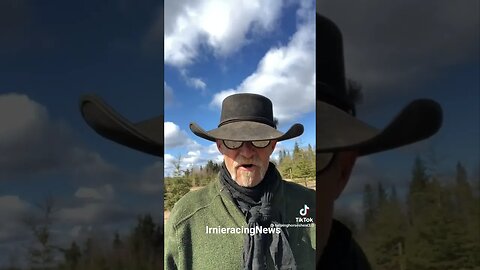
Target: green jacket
[{"x": 188, "y": 246}]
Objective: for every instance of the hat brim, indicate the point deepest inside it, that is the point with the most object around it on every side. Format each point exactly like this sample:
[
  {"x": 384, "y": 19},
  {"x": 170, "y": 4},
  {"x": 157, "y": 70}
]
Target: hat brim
[
  {"x": 145, "y": 136},
  {"x": 340, "y": 131},
  {"x": 246, "y": 131}
]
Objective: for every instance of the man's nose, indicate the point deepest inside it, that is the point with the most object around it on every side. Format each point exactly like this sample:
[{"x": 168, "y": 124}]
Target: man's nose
[{"x": 247, "y": 150}]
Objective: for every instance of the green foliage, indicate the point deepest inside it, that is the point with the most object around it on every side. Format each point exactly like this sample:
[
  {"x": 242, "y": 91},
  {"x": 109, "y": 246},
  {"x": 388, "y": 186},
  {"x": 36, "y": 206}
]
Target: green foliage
[
  {"x": 175, "y": 188},
  {"x": 369, "y": 207},
  {"x": 141, "y": 249},
  {"x": 438, "y": 228},
  {"x": 299, "y": 165}
]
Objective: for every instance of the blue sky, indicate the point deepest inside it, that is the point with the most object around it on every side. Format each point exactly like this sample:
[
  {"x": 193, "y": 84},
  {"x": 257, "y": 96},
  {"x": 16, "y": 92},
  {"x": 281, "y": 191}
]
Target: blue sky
[
  {"x": 53, "y": 52},
  {"x": 216, "y": 48}
]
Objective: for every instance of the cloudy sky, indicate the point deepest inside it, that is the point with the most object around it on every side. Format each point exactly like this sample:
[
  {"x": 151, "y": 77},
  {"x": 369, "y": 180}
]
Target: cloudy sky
[
  {"x": 50, "y": 54},
  {"x": 406, "y": 50},
  {"x": 216, "y": 48}
]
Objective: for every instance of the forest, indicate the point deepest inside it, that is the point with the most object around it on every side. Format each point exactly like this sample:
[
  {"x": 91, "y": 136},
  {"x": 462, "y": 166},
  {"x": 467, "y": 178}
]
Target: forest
[
  {"x": 297, "y": 165},
  {"x": 436, "y": 225}
]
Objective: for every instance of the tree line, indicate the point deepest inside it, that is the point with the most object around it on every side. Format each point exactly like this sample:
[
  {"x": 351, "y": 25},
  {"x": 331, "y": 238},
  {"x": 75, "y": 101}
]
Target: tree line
[
  {"x": 437, "y": 226},
  {"x": 141, "y": 248},
  {"x": 297, "y": 165}
]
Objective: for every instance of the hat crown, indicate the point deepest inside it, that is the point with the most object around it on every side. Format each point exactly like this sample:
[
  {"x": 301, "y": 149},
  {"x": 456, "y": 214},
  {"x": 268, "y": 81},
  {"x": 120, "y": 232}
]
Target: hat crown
[
  {"x": 247, "y": 107},
  {"x": 331, "y": 83}
]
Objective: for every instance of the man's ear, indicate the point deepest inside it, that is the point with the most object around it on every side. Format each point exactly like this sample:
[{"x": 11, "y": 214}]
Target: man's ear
[
  {"x": 219, "y": 146},
  {"x": 273, "y": 144},
  {"x": 346, "y": 163}
]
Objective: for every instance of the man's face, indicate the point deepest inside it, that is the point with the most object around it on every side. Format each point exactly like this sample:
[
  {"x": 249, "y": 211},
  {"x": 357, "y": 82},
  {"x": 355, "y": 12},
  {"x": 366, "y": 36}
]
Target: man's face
[
  {"x": 330, "y": 184},
  {"x": 248, "y": 164}
]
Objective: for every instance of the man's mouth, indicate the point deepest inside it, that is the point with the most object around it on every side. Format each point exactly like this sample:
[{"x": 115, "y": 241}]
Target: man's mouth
[{"x": 247, "y": 166}]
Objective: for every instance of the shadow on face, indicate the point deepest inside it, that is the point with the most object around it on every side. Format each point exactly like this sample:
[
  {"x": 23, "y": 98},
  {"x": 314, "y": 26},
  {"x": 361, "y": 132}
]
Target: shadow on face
[{"x": 330, "y": 183}]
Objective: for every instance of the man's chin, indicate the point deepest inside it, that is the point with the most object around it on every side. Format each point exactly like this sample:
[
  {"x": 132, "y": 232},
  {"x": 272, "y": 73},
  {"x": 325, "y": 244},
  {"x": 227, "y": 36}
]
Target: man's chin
[{"x": 247, "y": 181}]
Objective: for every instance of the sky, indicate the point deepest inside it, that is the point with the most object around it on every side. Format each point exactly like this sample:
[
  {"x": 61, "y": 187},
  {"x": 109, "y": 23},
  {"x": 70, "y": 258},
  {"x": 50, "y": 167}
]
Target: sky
[
  {"x": 401, "y": 51},
  {"x": 51, "y": 53},
  {"x": 217, "y": 48}
]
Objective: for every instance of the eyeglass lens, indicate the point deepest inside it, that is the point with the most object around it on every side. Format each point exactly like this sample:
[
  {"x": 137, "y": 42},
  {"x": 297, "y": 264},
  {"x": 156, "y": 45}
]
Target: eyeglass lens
[
  {"x": 237, "y": 144},
  {"x": 323, "y": 160}
]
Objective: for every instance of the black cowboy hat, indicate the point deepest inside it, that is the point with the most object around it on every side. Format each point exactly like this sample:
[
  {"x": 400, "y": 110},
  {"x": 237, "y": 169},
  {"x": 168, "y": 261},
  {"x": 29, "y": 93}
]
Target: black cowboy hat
[
  {"x": 145, "y": 136},
  {"x": 337, "y": 128},
  {"x": 247, "y": 117}
]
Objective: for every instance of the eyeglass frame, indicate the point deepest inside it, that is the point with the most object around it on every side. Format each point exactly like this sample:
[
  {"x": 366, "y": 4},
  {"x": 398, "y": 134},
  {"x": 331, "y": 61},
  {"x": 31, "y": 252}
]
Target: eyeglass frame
[
  {"x": 328, "y": 164},
  {"x": 242, "y": 142}
]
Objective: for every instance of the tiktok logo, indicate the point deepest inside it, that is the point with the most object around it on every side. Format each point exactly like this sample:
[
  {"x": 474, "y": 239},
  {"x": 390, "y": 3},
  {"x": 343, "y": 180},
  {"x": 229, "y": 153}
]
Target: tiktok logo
[{"x": 304, "y": 210}]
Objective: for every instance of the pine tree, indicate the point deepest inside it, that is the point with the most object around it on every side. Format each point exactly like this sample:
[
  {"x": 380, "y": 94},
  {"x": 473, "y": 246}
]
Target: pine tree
[
  {"x": 296, "y": 150},
  {"x": 387, "y": 232},
  {"x": 72, "y": 256},
  {"x": 417, "y": 199},
  {"x": 368, "y": 206},
  {"x": 381, "y": 195}
]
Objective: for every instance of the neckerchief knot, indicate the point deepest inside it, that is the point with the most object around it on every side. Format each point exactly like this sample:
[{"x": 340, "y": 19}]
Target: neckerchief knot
[{"x": 260, "y": 213}]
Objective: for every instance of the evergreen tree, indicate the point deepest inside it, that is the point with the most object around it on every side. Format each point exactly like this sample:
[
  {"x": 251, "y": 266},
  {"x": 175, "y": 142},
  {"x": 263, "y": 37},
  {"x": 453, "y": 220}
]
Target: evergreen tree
[
  {"x": 417, "y": 198},
  {"x": 381, "y": 195},
  {"x": 296, "y": 150},
  {"x": 393, "y": 195},
  {"x": 368, "y": 206},
  {"x": 72, "y": 256},
  {"x": 117, "y": 243}
]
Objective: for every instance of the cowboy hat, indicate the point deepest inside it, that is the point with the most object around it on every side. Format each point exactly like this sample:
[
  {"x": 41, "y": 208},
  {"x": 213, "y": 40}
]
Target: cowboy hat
[
  {"x": 145, "y": 136},
  {"x": 246, "y": 117},
  {"x": 337, "y": 128}
]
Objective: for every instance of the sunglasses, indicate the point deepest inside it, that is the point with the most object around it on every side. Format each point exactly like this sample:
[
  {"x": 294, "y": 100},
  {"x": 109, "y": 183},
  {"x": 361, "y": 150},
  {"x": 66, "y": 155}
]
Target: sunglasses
[
  {"x": 233, "y": 145},
  {"x": 323, "y": 161}
]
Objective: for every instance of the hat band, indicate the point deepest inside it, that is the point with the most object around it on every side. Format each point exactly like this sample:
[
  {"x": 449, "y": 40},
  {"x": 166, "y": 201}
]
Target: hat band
[{"x": 262, "y": 120}]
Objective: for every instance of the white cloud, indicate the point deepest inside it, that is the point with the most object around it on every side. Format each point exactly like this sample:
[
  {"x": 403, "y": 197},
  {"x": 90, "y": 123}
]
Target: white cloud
[
  {"x": 388, "y": 54},
  {"x": 19, "y": 117},
  {"x": 12, "y": 211},
  {"x": 197, "y": 83},
  {"x": 193, "y": 159},
  {"x": 194, "y": 82},
  {"x": 220, "y": 25},
  {"x": 105, "y": 192},
  {"x": 151, "y": 181},
  {"x": 285, "y": 74},
  {"x": 92, "y": 213},
  {"x": 174, "y": 136},
  {"x": 85, "y": 214},
  {"x": 25, "y": 126}
]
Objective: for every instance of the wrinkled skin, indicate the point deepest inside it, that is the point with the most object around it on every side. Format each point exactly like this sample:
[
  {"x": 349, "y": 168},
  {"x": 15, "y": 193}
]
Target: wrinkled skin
[{"x": 247, "y": 154}]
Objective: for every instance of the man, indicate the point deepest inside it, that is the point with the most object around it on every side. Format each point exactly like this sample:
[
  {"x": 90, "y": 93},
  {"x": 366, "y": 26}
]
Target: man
[
  {"x": 249, "y": 194},
  {"x": 341, "y": 138}
]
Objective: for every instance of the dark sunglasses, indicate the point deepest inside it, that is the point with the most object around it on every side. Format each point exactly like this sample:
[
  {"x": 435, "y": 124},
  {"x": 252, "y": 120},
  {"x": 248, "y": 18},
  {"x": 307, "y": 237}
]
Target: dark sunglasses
[
  {"x": 323, "y": 161},
  {"x": 237, "y": 144}
]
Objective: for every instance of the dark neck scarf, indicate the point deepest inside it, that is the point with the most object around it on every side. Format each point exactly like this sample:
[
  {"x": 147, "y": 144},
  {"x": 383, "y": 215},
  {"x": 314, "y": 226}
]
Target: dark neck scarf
[{"x": 255, "y": 203}]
